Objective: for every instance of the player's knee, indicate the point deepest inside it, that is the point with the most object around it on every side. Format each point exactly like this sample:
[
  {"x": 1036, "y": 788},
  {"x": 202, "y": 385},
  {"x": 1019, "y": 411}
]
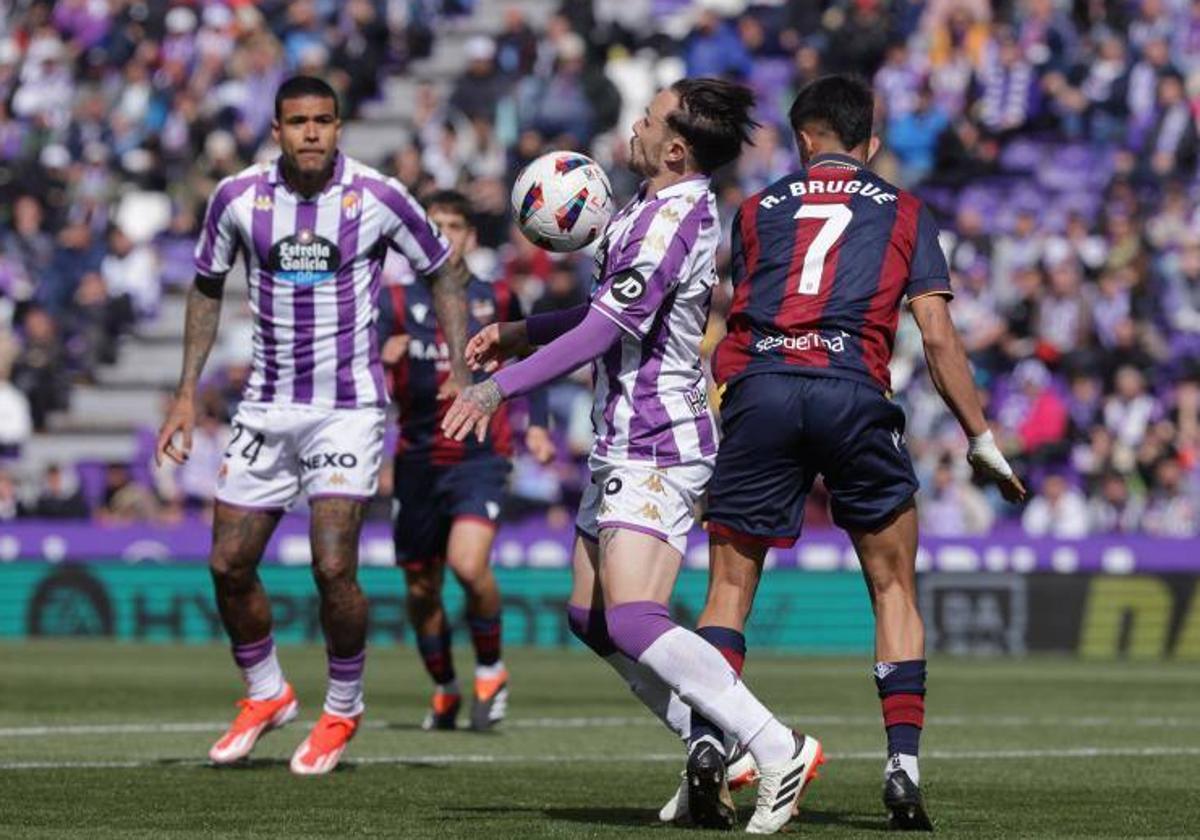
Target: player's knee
[
  {"x": 590, "y": 627},
  {"x": 636, "y": 625},
  {"x": 334, "y": 574},
  {"x": 230, "y": 573},
  {"x": 423, "y": 591}
]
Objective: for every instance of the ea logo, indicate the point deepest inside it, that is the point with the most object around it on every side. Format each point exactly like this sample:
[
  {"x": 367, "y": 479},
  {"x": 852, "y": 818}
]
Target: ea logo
[{"x": 612, "y": 487}]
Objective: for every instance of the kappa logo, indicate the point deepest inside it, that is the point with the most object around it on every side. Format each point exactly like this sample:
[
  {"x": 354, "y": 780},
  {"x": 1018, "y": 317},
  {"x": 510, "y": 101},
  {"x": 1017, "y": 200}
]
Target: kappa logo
[
  {"x": 882, "y": 669},
  {"x": 338, "y": 480},
  {"x": 650, "y": 513},
  {"x": 654, "y": 484},
  {"x": 656, "y": 242},
  {"x": 605, "y": 508},
  {"x": 419, "y": 311},
  {"x": 263, "y": 203},
  {"x": 670, "y": 214},
  {"x": 222, "y": 474},
  {"x": 351, "y": 205},
  {"x": 897, "y": 438},
  {"x": 493, "y": 509}
]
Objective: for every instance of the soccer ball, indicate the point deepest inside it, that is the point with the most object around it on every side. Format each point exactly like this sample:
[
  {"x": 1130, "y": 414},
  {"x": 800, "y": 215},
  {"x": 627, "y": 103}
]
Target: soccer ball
[{"x": 562, "y": 201}]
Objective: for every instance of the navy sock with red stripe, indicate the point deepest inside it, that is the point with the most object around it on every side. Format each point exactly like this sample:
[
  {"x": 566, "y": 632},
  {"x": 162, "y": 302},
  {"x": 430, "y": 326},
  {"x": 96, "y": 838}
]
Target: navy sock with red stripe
[
  {"x": 901, "y": 688},
  {"x": 485, "y": 636},
  {"x": 732, "y": 645},
  {"x": 435, "y": 653}
]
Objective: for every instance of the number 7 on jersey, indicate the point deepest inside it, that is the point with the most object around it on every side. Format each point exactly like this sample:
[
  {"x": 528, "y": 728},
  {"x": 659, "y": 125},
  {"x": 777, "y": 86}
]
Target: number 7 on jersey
[{"x": 836, "y": 218}]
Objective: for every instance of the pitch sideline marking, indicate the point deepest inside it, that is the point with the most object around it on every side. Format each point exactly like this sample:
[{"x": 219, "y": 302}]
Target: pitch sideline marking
[
  {"x": 938, "y": 755},
  {"x": 185, "y": 727}
]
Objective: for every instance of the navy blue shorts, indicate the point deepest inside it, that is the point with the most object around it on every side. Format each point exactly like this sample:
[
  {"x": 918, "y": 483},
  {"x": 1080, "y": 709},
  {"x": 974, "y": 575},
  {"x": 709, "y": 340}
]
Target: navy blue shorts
[
  {"x": 779, "y": 431},
  {"x": 428, "y": 500}
]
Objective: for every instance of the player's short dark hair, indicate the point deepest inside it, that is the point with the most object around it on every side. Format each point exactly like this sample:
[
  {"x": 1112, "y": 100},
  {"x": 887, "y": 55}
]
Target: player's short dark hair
[
  {"x": 451, "y": 200},
  {"x": 298, "y": 86},
  {"x": 842, "y": 103},
  {"x": 714, "y": 119}
]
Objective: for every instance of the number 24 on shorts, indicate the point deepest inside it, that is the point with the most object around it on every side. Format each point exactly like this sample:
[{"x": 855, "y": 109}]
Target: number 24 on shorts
[{"x": 250, "y": 449}]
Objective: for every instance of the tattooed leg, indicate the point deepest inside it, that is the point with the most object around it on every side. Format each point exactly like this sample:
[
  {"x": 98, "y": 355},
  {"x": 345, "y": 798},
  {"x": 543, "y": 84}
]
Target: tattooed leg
[
  {"x": 335, "y": 528},
  {"x": 239, "y": 539}
]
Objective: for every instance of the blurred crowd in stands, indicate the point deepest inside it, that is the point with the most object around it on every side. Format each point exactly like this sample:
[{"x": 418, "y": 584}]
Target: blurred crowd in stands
[{"x": 1056, "y": 140}]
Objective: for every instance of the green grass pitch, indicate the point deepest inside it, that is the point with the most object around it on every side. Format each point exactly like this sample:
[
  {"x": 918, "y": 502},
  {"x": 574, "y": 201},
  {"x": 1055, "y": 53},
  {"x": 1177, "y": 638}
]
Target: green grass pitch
[{"x": 107, "y": 741}]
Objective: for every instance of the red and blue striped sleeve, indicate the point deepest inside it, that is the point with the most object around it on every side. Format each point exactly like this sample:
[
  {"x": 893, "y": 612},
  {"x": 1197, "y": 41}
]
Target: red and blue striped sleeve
[{"x": 928, "y": 272}]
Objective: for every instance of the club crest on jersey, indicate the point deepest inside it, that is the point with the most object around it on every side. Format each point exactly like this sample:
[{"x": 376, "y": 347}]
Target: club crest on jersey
[
  {"x": 263, "y": 203},
  {"x": 304, "y": 259},
  {"x": 419, "y": 311},
  {"x": 351, "y": 205}
]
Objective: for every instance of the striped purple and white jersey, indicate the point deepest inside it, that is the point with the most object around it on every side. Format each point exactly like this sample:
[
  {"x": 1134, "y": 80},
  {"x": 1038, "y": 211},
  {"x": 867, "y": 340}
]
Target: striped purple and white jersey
[
  {"x": 313, "y": 268},
  {"x": 655, "y": 272}
]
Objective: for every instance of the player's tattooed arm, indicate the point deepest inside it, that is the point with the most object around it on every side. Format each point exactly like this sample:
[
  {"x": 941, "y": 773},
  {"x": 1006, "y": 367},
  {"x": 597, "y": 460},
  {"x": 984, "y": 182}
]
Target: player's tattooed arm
[
  {"x": 449, "y": 284},
  {"x": 199, "y": 334},
  {"x": 472, "y": 411}
]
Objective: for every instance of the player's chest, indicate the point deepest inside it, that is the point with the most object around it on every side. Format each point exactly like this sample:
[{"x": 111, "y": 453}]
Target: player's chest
[{"x": 308, "y": 243}]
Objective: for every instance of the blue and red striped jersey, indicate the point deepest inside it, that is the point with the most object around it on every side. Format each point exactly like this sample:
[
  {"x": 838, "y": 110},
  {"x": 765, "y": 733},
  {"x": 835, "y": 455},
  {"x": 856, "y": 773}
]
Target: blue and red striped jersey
[
  {"x": 822, "y": 260},
  {"x": 425, "y": 366}
]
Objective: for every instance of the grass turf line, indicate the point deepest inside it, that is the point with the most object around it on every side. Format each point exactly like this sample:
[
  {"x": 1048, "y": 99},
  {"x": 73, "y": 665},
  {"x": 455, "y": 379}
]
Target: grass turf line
[{"x": 584, "y": 792}]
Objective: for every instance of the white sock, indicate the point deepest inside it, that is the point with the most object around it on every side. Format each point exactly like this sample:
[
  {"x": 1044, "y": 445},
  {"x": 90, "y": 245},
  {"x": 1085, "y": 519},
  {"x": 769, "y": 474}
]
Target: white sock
[
  {"x": 656, "y": 695},
  {"x": 707, "y": 683},
  {"x": 489, "y": 672},
  {"x": 264, "y": 680},
  {"x": 907, "y": 763},
  {"x": 344, "y": 698}
]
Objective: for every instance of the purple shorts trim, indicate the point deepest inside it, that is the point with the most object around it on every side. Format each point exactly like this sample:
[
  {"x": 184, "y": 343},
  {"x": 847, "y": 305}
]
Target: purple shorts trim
[
  {"x": 633, "y": 526},
  {"x": 252, "y": 508},
  {"x": 354, "y": 497}
]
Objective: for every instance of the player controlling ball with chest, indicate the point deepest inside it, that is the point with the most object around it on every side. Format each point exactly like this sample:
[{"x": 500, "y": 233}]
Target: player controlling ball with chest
[
  {"x": 312, "y": 228},
  {"x": 655, "y": 439}
]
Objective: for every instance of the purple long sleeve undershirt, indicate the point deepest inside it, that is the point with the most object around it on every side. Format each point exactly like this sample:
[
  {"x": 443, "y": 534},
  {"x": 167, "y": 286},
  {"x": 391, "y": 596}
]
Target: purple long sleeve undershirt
[
  {"x": 544, "y": 327},
  {"x": 593, "y": 335}
]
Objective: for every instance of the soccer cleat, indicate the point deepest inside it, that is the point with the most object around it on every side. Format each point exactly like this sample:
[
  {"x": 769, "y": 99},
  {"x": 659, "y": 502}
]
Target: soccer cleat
[
  {"x": 740, "y": 771},
  {"x": 676, "y": 809},
  {"x": 256, "y": 718},
  {"x": 708, "y": 801},
  {"x": 781, "y": 785},
  {"x": 320, "y": 751},
  {"x": 490, "y": 701},
  {"x": 740, "y": 768},
  {"x": 905, "y": 807},
  {"x": 443, "y": 712}
]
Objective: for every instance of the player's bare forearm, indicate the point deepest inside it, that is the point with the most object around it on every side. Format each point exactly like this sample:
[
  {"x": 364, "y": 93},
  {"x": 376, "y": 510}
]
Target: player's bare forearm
[
  {"x": 200, "y": 333},
  {"x": 449, "y": 284},
  {"x": 948, "y": 365}
]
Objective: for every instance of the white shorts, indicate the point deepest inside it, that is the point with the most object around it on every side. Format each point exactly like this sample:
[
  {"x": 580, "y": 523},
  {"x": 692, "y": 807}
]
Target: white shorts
[
  {"x": 277, "y": 452},
  {"x": 664, "y": 502}
]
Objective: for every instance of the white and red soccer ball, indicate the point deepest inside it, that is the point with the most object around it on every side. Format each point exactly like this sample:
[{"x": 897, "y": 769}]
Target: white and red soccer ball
[{"x": 562, "y": 201}]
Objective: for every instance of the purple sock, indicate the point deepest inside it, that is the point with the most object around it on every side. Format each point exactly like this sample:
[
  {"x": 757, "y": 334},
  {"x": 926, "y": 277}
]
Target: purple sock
[
  {"x": 344, "y": 695},
  {"x": 589, "y": 627},
  {"x": 636, "y": 625},
  {"x": 247, "y": 656},
  {"x": 260, "y": 669}
]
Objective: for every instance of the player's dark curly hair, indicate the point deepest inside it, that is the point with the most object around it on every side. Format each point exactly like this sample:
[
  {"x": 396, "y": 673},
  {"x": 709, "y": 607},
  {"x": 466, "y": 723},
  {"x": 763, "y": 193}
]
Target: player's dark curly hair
[
  {"x": 298, "y": 86},
  {"x": 843, "y": 104},
  {"x": 713, "y": 118},
  {"x": 451, "y": 200}
]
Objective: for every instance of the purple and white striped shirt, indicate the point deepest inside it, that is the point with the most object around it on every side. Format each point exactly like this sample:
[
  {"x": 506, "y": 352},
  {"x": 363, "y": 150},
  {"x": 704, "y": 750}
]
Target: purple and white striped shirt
[
  {"x": 655, "y": 272},
  {"x": 313, "y": 267}
]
